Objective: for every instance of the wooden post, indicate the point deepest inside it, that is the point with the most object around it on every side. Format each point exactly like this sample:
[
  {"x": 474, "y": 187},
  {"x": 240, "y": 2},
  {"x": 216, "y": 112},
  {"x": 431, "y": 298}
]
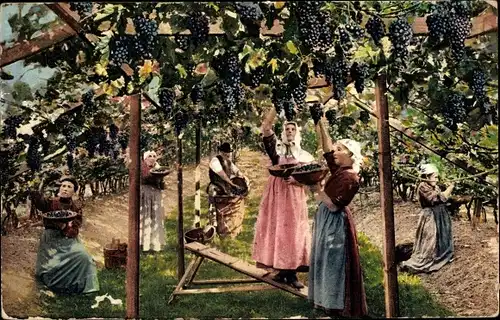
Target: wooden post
[
  {"x": 476, "y": 215},
  {"x": 132, "y": 285},
  {"x": 386, "y": 200},
  {"x": 197, "y": 175},
  {"x": 180, "y": 217}
]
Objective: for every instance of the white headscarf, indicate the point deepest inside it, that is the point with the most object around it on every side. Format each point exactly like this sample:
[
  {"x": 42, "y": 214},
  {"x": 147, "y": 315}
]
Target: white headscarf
[
  {"x": 297, "y": 152},
  {"x": 428, "y": 169},
  {"x": 148, "y": 153},
  {"x": 151, "y": 153},
  {"x": 355, "y": 149}
]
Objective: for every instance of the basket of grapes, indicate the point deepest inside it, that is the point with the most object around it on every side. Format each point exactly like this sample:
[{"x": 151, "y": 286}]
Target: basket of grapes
[
  {"x": 160, "y": 171},
  {"x": 59, "y": 214},
  {"x": 282, "y": 170},
  {"x": 309, "y": 174}
]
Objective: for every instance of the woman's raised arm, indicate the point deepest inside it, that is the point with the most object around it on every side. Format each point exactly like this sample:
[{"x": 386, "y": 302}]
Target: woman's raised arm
[
  {"x": 324, "y": 137},
  {"x": 267, "y": 123}
]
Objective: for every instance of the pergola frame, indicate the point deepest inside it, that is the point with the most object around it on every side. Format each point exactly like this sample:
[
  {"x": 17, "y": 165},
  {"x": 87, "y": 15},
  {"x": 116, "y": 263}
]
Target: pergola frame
[{"x": 481, "y": 25}]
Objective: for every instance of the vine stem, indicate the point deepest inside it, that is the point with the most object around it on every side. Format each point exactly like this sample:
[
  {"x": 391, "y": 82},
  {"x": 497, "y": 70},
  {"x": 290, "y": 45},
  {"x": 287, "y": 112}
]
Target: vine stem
[{"x": 447, "y": 180}]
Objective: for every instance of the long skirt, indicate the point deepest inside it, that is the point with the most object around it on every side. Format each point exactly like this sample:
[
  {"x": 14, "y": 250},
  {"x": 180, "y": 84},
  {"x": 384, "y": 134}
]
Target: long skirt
[
  {"x": 152, "y": 231},
  {"x": 282, "y": 235},
  {"x": 64, "y": 266},
  {"x": 335, "y": 278},
  {"x": 433, "y": 247}
]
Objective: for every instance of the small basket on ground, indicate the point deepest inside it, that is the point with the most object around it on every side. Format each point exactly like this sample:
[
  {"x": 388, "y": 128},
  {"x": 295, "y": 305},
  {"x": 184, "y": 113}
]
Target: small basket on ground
[
  {"x": 310, "y": 174},
  {"x": 115, "y": 255},
  {"x": 202, "y": 235},
  {"x": 282, "y": 170},
  {"x": 160, "y": 171}
]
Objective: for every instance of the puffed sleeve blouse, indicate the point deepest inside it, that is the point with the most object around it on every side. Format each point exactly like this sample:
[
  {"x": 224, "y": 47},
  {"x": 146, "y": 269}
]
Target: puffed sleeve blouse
[
  {"x": 429, "y": 196},
  {"x": 343, "y": 183}
]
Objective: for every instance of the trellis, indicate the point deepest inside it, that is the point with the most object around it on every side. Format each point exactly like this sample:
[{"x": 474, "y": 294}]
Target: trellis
[{"x": 481, "y": 25}]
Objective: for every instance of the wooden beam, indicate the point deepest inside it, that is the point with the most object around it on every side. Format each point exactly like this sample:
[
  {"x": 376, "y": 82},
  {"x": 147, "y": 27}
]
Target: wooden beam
[
  {"x": 480, "y": 25},
  {"x": 70, "y": 17},
  {"x": 28, "y": 48},
  {"x": 226, "y": 289},
  {"x": 493, "y": 3},
  {"x": 483, "y": 24}
]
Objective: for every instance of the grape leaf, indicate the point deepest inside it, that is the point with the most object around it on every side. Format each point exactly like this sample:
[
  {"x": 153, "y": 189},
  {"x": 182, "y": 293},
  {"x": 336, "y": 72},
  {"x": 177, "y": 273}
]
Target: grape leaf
[
  {"x": 104, "y": 26},
  {"x": 274, "y": 64},
  {"x": 279, "y": 4},
  {"x": 291, "y": 47},
  {"x": 181, "y": 70}
]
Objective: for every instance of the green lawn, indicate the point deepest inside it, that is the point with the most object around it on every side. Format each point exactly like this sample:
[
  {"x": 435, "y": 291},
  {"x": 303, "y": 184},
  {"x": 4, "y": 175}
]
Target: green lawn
[{"x": 158, "y": 279}]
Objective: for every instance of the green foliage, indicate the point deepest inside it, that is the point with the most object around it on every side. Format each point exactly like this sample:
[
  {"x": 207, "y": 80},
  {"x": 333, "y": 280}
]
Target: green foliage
[{"x": 417, "y": 88}]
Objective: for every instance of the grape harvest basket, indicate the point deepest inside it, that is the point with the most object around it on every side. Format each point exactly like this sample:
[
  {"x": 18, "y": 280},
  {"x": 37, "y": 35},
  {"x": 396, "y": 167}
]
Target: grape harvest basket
[
  {"x": 230, "y": 213},
  {"x": 310, "y": 174},
  {"x": 161, "y": 171},
  {"x": 200, "y": 235},
  {"x": 59, "y": 214},
  {"x": 282, "y": 170},
  {"x": 115, "y": 255}
]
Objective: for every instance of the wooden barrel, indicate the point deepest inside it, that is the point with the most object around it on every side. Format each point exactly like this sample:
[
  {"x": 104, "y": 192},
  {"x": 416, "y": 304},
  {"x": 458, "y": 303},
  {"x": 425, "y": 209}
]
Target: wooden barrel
[{"x": 115, "y": 256}]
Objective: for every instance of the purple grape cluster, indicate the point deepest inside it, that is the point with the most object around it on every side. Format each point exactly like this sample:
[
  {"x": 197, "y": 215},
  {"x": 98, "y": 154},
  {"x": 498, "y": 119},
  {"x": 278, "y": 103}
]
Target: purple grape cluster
[
  {"x": 375, "y": 28},
  {"x": 314, "y": 26},
  {"x": 11, "y": 124},
  {"x": 400, "y": 34},
  {"x": 199, "y": 25}
]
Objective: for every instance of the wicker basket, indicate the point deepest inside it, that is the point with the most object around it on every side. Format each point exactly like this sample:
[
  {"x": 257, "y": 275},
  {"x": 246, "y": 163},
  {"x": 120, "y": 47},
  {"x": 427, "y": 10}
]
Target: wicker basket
[
  {"x": 230, "y": 215},
  {"x": 310, "y": 177},
  {"x": 161, "y": 171},
  {"x": 282, "y": 170},
  {"x": 200, "y": 235},
  {"x": 115, "y": 255}
]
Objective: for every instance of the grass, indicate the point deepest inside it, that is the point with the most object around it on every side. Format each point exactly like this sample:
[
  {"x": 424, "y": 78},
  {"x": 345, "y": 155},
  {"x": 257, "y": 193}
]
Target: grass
[{"x": 158, "y": 279}]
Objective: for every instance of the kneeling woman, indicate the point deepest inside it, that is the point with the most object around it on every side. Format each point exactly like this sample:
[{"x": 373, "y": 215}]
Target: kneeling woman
[
  {"x": 63, "y": 264},
  {"x": 335, "y": 277}
]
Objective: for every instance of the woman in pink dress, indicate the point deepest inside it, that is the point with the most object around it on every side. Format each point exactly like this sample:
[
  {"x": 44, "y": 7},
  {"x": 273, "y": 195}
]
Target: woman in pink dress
[{"x": 282, "y": 234}]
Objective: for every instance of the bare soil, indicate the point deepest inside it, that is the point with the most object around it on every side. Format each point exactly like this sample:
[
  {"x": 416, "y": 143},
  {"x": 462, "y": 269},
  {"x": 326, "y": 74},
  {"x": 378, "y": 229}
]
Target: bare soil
[{"x": 467, "y": 286}]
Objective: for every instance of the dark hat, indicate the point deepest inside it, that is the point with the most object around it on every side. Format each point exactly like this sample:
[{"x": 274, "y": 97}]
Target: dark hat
[
  {"x": 70, "y": 179},
  {"x": 225, "y": 147}
]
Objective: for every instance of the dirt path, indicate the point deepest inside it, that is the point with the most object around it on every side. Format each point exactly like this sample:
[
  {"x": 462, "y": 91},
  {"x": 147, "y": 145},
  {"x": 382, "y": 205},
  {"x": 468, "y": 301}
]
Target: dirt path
[{"x": 467, "y": 286}]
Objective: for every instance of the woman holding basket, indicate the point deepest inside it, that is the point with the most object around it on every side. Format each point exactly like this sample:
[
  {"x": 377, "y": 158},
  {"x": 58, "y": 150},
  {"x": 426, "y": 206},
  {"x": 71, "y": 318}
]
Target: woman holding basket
[
  {"x": 335, "y": 278},
  {"x": 63, "y": 264},
  {"x": 282, "y": 234},
  {"x": 152, "y": 232}
]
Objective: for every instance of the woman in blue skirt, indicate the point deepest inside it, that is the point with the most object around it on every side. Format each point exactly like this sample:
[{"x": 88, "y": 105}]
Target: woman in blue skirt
[
  {"x": 63, "y": 264},
  {"x": 335, "y": 277}
]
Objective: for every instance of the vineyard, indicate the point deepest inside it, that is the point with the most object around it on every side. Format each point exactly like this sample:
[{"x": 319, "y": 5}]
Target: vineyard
[{"x": 206, "y": 73}]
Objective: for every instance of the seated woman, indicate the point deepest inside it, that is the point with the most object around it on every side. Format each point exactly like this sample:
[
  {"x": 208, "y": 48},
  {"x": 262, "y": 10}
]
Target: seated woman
[
  {"x": 63, "y": 264},
  {"x": 433, "y": 246}
]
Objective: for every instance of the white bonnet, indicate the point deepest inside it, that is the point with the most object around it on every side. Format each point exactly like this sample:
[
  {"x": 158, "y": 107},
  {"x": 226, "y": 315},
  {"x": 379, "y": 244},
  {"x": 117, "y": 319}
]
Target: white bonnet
[
  {"x": 148, "y": 153},
  {"x": 355, "y": 148},
  {"x": 428, "y": 168}
]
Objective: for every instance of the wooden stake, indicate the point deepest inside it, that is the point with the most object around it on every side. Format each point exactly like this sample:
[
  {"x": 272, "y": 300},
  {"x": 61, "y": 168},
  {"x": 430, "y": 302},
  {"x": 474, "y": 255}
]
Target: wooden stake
[
  {"x": 197, "y": 177},
  {"x": 386, "y": 200},
  {"x": 132, "y": 285},
  {"x": 180, "y": 213}
]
